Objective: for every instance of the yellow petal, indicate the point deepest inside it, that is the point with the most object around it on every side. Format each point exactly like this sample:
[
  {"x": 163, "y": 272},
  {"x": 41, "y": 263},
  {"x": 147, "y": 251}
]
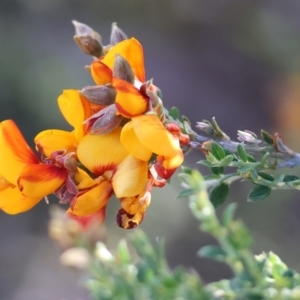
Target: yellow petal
[
  {"x": 132, "y": 144},
  {"x": 96, "y": 218},
  {"x": 137, "y": 204},
  {"x": 173, "y": 162},
  {"x": 13, "y": 202},
  {"x": 100, "y": 153},
  {"x": 41, "y": 180},
  {"x": 75, "y": 109},
  {"x": 4, "y": 184},
  {"x": 132, "y": 51},
  {"x": 101, "y": 73},
  {"x": 93, "y": 200},
  {"x": 128, "y": 221},
  {"x": 14, "y": 152},
  {"x": 129, "y": 100},
  {"x": 54, "y": 140},
  {"x": 83, "y": 179},
  {"x": 130, "y": 178},
  {"x": 154, "y": 136}
]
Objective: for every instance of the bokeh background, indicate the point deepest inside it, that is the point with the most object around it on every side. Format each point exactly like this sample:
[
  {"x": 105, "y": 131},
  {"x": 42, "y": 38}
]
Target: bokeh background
[{"x": 236, "y": 60}]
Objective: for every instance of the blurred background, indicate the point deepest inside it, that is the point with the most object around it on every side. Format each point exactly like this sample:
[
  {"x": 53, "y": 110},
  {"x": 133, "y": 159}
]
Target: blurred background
[{"x": 236, "y": 60}]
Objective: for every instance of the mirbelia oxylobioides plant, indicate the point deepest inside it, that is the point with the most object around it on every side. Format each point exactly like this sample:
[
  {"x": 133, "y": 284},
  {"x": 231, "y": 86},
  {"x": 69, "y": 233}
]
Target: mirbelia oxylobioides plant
[{"x": 124, "y": 142}]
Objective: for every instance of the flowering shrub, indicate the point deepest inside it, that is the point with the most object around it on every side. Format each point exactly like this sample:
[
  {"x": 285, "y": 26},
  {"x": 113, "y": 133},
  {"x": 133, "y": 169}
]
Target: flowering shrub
[{"x": 124, "y": 142}]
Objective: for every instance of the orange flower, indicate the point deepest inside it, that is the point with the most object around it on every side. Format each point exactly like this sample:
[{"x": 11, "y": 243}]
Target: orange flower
[
  {"x": 115, "y": 171},
  {"x": 130, "y": 99},
  {"x": 25, "y": 181},
  {"x": 146, "y": 135},
  {"x": 76, "y": 109}
]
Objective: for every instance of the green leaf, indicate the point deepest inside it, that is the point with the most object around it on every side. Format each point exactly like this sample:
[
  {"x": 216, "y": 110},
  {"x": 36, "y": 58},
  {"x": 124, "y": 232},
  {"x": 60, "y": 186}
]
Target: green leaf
[
  {"x": 247, "y": 167},
  {"x": 205, "y": 163},
  {"x": 258, "y": 193},
  {"x": 217, "y": 170},
  {"x": 242, "y": 153},
  {"x": 226, "y": 160},
  {"x": 266, "y": 176},
  {"x": 186, "y": 178},
  {"x": 267, "y": 137},
  {"x": 217, "y": 151},
  {"x": 186, "y": 170},
  {"x": 263, "y": 160},
  {"x": 289, "y": 178},
  {"x": 123, "y": 252},
  {"x": 185, "y": 193},
  {"x": 253, "y": 174},
  {"x": 212, "y": 252},
  {"x": 174, "y": 112},
  {"x": 211, "y": 177},
  {"x": 251, "y": 158},
  {"x": 228, "y": 214},
  {"x": 219, "y": 194}
]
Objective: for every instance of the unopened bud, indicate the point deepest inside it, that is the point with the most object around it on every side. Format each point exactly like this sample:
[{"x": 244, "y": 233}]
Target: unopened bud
[
  {"x": 105, "y": 121},
  {"x": 280, "y": 145},
  {"x": 206, "y": 147},
  {"x": 248, "y": 137},
  {"x": 100, "y": 94},
  {"x": 102, "y": 253},
  {"x": 88, "y": 40},
  {"x": 82, "y": 29},
  {"x": 122, "y": 69},
  {"x": 89, "y": 45},
  {"x": 71, "y": 163},
  {"x": 117, "y": 35},
  {"x": 78, "y": 258},
  {"x": 203, "y": 126}
]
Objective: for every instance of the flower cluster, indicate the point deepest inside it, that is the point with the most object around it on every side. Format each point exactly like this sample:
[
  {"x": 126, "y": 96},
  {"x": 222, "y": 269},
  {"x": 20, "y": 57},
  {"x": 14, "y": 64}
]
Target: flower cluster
[{"x": 122, "y": 142}]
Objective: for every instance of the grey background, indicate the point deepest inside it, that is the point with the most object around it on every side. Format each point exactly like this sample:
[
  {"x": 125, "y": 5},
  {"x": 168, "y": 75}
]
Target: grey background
[{"x": 228, "y": 59}]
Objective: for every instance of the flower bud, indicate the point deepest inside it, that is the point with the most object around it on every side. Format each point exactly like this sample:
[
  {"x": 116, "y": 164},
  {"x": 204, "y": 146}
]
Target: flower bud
[
  {"x": 102, "y": 253},
  {"x": 206, "y": 147},
  {"x": 83, "y": 29},
  {"x": 100, "y": 94},
  {"x": 104, "y": 121},
  {"x": 122, "y": 69},
  {"x": 117, "y": 35},
  {"x": 89, "y": 45},
  {"x": 248, "y": 137},
  {"x": 88, "y": 40},
  {"x": 77, "y": 257}
]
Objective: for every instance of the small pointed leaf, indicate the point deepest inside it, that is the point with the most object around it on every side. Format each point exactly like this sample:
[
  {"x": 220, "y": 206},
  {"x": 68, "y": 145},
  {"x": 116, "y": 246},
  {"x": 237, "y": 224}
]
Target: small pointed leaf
[
  {"x": 212, "y": 252},
  {"x": 242, "y": 153},
  {"x": 217, "y": 170},
  {"x": 226, "y": 160},
  {"x": 289, "y": 178},
  {"x": 217, "y": 151},
  {"x": 186, "y": 170},
  {"x": 228, "y": 214},
  {"x": 266, "y": 176},
  {"x": 267, "y": 137},
  {"x": 186, "y": 178},
  {"x": 174, "y": 112},
  {"x": 258, "y": 193},
  {"x": 205, "y": 163},
  {"x": 185, "y": 193},
  {"x": 251, "y": 158},
  {"x": 219, "y": 194}
]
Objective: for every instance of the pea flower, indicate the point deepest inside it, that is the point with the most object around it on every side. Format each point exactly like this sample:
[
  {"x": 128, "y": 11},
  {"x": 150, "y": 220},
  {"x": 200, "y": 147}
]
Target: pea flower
[
  {"x": 24, "y": 179},
  {"x": 122, "y": 142}
]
